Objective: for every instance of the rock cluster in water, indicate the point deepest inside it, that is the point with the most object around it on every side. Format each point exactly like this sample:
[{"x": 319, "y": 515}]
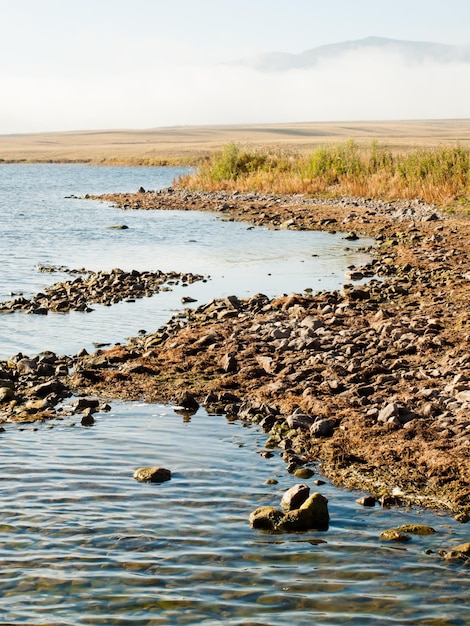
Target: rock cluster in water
[
  {"x": 300, "y": 512},
  {"x": 105, "y": 288},
  {"x": 36, "y": 388}
]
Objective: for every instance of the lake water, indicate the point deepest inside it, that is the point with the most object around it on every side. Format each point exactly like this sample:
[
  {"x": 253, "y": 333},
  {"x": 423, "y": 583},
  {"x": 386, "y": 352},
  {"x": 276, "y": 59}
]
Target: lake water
[
  {"x": 81, "y": 542},
  {"x": 40, "y": 226}
]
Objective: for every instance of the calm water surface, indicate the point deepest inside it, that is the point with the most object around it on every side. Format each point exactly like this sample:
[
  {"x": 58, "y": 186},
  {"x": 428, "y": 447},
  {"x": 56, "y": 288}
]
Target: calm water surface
[
  {"x": 81, "y": 542},
  {"x": 41, "y": 226}
]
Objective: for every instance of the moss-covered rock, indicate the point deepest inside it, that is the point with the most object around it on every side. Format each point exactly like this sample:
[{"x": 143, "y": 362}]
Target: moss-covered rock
[
  {"x": 266, "y": 518},
  {"x": 416, "y": 529},
  {"x": 392, "y": 534}
]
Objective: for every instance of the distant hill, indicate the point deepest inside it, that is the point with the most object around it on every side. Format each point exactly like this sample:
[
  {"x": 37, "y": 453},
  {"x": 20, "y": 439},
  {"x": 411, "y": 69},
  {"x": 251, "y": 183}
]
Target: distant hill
[{"x": 410, "y": 51}]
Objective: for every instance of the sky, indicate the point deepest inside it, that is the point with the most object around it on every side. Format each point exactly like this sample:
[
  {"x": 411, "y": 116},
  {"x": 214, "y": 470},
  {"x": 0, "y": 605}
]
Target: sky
[{"x": 115, "y": 64}]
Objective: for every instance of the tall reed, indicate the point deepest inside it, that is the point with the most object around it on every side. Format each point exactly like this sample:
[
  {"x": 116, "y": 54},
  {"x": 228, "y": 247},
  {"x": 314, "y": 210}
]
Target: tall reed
[{"x": 438, "y": 175}]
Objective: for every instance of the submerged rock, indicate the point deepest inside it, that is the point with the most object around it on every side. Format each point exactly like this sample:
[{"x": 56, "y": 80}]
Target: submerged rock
[
  {"x": 459, "y": 553},
  {"x": 152, "y": 474},
  {"x": 416, "y": 529},
  {"x": 392, "y": 534}
]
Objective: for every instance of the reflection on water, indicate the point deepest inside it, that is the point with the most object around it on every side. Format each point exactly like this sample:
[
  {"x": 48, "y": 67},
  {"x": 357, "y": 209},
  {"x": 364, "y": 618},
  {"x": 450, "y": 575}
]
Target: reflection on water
[{"x": 81, "y": 542}]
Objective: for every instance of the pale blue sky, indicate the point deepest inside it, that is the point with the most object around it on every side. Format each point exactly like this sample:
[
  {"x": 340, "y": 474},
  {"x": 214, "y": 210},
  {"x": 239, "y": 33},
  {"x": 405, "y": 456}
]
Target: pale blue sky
[{"x": 83, "y": 64}]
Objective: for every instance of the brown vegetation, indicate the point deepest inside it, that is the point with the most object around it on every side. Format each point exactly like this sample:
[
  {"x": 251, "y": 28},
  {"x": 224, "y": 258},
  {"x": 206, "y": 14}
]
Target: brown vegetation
[{"x": 436, "y": 175}]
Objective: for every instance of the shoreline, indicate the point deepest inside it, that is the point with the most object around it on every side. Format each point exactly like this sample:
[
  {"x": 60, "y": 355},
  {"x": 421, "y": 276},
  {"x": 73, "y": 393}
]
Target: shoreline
[{"x": 372, "y": 382}]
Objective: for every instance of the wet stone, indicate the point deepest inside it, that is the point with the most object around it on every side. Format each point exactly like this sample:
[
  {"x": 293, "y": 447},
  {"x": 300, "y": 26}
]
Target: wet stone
[
  {"x": 392, "y": 534},
  {"x": 152, "y": 474}
]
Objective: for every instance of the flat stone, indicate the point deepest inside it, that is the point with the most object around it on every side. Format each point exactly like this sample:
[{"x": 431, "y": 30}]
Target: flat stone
[
  {"x": 391, "y": 410},
  {"x": 416, "y": 529}
]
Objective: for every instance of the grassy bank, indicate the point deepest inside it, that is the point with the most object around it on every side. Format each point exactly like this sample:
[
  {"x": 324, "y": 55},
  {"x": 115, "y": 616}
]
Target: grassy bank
[{"x": 439, "y": 175}]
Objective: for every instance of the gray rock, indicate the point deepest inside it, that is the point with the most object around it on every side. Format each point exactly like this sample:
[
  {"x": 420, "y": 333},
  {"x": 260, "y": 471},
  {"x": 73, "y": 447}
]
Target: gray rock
[
  {"x": 366, "y": 501},
  {"x": 300, "y": 420},
  {"x": 229, "y": 363},
  {"x": 294, "y": 497},
  {"x": 187, "y": 401},
  {"x": 323, "y": 428},
  {"x": 51, "y": 386},
  {"x": 463, "y": 396},
  {"x": 459, "y": 553},
  {"x": 6, "y": 394},
  {"x": 26, "y": 366},
  {"x": 391, "y": 410},
  {"x": 87, "y": 419},
  {"x": 311, "y": 323},
  {"x": 267, "y": 363},
  {"x": 82, "y": 404}
]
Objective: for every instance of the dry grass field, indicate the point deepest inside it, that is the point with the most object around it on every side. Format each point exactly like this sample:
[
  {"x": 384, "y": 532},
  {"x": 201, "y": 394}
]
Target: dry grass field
[{"x": 190, "y": 144}]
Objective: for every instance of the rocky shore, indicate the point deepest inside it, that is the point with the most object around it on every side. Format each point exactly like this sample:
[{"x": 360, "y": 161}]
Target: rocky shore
[{"x": 371, "y": 382}]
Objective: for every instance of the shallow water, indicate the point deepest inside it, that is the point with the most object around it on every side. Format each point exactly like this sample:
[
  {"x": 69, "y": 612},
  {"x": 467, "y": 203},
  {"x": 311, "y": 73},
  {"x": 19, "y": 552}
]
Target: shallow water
[
  {"x": 81, "y": 542},
  {"x": 40, "y": 226}
]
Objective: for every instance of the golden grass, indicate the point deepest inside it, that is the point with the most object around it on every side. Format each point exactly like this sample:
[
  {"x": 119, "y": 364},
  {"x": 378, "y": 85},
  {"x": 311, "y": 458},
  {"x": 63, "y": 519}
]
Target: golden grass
[
  {"x": 439, "y": 175},
  {"x": 192, "y": 144}
]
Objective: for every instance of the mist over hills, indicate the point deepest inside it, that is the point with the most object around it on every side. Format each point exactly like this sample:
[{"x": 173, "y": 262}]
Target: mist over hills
[
  {"x": 367, "y": 79},
  {"x": 411, "y": 52}
]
